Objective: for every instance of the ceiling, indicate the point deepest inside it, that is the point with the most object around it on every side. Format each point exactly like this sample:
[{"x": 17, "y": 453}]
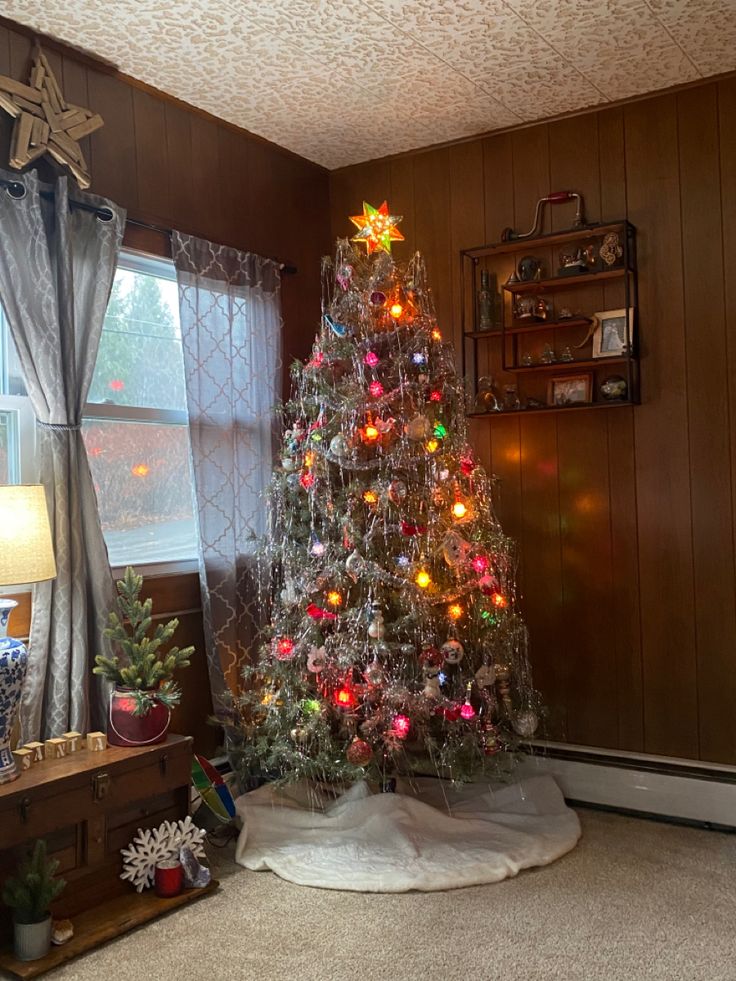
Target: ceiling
[{"x": 341, "y": 81}]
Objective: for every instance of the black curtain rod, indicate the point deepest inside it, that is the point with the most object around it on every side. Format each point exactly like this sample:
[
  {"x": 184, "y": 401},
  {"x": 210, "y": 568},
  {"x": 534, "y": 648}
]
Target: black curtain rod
[{"x": 17, "y": 189}]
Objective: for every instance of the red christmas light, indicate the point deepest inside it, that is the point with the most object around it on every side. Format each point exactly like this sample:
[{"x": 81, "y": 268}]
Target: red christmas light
[
  {"x": 371, "y": 359},
  {"x": 376, "y": 389},
  {"x": 306, "y": 480},
  {"x": 435, "y": 396},
  {"x": 345, "y": 697},
  {"x": 480, "y": 564},
  {"x": 400, "y": 726},
  {"x": 284, "y": 648}
]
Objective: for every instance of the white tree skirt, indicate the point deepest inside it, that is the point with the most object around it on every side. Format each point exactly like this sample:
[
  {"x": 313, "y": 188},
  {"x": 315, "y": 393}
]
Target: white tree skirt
[{"x": 427, "y": 836}]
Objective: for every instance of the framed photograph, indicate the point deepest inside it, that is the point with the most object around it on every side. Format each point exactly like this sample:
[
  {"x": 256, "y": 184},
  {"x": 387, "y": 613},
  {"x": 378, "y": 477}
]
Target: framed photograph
[
  {"x": 610, "y": 336},
  {"x": 570, "y": 389}
]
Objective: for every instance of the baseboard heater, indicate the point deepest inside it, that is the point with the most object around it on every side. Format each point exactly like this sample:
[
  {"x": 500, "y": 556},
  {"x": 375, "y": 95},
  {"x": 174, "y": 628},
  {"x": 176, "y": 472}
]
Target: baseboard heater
[{"x": 656, "y": 786}]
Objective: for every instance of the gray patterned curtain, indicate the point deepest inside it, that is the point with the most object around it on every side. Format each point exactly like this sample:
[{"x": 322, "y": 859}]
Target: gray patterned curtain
[
  {"x": 56, "y": 270},
  {"x": 230, "y": 310}
]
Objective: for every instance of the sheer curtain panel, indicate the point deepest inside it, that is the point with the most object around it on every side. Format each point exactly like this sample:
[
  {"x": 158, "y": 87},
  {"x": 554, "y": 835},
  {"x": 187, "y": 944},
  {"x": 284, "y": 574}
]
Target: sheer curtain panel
[
  {"x": 57, "y": 264},
  {"x": 230, "y": 309}
]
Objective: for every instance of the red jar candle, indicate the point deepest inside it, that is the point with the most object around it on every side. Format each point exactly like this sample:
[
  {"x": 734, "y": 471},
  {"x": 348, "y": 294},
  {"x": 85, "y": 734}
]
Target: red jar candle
[{"x": 169, "y": 878}]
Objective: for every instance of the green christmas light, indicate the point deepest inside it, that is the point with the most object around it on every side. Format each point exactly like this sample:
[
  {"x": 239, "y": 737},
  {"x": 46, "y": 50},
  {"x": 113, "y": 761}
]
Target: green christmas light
[
  {"x": 440, "y": 431},
  {"x": 311, "y": 706}
]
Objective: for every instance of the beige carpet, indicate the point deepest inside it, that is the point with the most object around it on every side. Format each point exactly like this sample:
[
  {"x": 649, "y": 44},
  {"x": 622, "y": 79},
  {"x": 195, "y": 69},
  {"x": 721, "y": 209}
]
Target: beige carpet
[{"x": 635, "y": 900}]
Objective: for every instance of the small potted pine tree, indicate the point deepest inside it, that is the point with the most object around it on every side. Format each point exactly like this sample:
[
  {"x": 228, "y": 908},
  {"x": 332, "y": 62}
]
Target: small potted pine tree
[
  {"x": 29, "y": 894},
  {"x": 144, "y": 693}
]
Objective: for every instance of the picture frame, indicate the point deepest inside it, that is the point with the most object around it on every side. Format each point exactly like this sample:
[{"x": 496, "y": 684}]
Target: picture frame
[
  {"x": 612, "y": 333},
  {"x": 570, "y": 389}
]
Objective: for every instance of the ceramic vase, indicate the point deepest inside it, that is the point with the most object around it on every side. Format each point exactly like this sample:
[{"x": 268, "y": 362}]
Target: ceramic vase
[
  {"x": 32, "y": 940},
  {"x": 13, "y": 663},
  {"x": 125, "y": 728}
]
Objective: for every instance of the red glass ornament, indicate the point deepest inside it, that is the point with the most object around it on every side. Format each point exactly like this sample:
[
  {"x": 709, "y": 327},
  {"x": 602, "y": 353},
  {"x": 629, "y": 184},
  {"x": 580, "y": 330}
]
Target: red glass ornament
[
  {"x": 376, "y": 389},
  {"x": 359, "y": 752},
  {"x": 452, "y": 714},
  {"x": 400, "y": 726},
  {"x": 467, "y": 711},
  {"x": 306, "y": 480},
  {"x": 408, "y": 529},
  {"x": 168, "y": 878},
  {"x": 317, "y": 613},
  {"x": 467, "y": 465},
  {"x": 345, "y": 698},
  {"x": 371, "y": 359}
]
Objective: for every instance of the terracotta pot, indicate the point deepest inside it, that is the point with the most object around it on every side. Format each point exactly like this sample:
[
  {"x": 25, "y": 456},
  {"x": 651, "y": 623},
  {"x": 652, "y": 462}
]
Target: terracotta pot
[
  {"x": 127, "y": 729},
  {"x": 32, "y": 940}
]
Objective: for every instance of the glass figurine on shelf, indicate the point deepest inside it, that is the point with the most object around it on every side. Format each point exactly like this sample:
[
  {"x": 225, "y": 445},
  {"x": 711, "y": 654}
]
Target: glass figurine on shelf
[
  {"x": 548, "y": 355},
  {"x": 486, "y": 399},
  {"x": 511, "y": 400},
  {"x": 527, "y": 360},
  {"x": 567, "y": 354},
  {"x": 487, "y": 301}
]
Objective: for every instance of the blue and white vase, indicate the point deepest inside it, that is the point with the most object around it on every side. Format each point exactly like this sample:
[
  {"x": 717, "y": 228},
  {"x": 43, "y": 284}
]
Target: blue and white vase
[{"x": 13, "y": 663}]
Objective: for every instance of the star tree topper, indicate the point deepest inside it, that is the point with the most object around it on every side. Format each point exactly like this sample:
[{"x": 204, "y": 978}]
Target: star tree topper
[
  {"x": 377, "y": 228},
  {"x": 45, "y": 122}
]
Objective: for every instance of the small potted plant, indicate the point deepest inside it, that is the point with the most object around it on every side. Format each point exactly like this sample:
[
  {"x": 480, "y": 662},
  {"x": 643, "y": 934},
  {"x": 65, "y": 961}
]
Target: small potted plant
[
  {"x": 29, "y": 894},
  {"x": 144, "y": 693}
]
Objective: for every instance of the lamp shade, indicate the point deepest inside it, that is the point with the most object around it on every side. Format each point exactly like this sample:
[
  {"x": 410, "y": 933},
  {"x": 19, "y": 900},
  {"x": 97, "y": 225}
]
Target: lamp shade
[{"x": 26, "y": 552}]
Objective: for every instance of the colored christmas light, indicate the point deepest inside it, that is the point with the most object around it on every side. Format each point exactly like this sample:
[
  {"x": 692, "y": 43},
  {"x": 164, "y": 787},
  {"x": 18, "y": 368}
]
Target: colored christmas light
[
  {"x": 370, "y": 496},
  {"x": 309, "y": 458},
  {"x": 140, "y": 470},
  {"x": 371, "y": 359},
  {"x": 334, "y": 598},
  {"x": 316, "y": 613},
  {"x": 376, "y": 389},
  {"x": 455, "y": 611},
  {"x": 436, "y": 334},
  {"x": 499, "y": 601},
  {"x": 284, "y": 648},
  {"x": 435, "y": 396},
  {"x": 422, "y": 579},
  {"x": 400, "y": 726},
  {"x": 376, "y": 228},
  {"x": 459, "y": 510},
  {"x": 440, "y": 430},
  {"x": 317, "y": 549},
  {"x": 480, "y": 563},
  {"x": 345, "y": 698},
  {"x": 396, "y": 310},
  {"x": 310, "y": 706},
  {"x": 419, "y": 358},
  {"x": 432, "y": 445},
  {"x": 306, "y": 480},
  {"x": 370, "y": 433}
]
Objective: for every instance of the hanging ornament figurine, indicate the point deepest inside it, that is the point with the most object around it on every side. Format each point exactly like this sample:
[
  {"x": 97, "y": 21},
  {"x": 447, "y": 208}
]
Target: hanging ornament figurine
[{"x": 393, "y": 636}]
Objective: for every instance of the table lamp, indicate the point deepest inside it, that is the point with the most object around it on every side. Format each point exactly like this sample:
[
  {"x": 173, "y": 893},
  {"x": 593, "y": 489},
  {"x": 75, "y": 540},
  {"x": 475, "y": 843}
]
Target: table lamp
[{"x": 26, "y": 556}]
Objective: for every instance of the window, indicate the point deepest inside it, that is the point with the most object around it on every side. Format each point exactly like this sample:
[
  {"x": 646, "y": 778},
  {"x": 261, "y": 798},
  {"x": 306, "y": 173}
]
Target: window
[{"x": 135, "y": 424}]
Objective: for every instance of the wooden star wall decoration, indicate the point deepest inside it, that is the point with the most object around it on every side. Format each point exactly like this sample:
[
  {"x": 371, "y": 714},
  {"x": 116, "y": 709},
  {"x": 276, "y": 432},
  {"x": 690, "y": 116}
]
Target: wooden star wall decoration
[{"x": 45, "y": 122}]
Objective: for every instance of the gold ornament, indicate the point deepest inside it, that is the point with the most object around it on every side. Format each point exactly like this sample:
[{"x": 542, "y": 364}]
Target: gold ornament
[{"x": 45, "y": 122}]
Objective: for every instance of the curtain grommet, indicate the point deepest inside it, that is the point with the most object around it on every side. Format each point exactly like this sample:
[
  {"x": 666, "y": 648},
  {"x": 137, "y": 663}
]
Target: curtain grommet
[{"x": 15, "y": 190}]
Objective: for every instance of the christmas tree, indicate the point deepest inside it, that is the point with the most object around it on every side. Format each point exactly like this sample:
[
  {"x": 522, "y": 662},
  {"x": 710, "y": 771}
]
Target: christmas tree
[{"x": 394, "y": 641}]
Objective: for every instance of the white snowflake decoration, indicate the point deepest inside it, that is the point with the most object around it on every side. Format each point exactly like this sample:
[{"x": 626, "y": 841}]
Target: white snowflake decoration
[{"x": 155, "y": 845}]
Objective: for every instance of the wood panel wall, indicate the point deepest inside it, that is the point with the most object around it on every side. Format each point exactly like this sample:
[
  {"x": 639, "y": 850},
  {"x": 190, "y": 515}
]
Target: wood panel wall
[
  {"x": 625, "y": 516},
  {"x": 173, "y": 166}
]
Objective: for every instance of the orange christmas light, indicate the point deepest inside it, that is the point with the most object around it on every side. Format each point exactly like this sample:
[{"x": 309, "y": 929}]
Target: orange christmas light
[
  {"x": 396, "y": 310},
  {"x": 370, "y": 433},
  {"x": 422, "y": 579},
  {"x": 459, "y": 510},
  {"x": 334, "y": 598},
  {"x": 432, "y": 445},
  {"x": 455, "y": 611},
  {"x": 499, "y": 601},
  {"x": 370, "y": 496}
]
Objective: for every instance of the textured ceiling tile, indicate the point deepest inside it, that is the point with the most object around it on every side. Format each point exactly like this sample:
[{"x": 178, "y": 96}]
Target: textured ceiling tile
[
  {"x": 706, "y": 29},
  {"x": 346, "y": 80}
]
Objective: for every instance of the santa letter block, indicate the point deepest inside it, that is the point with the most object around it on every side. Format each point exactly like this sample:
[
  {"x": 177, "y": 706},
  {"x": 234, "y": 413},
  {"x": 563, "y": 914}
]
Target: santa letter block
[
  {"x": 23, "y": 758},
  {"x": 38, "y": 750},
  {"x": 55, "y": 748},
  {"x": 96, "y": 741},
  {"x": 73, "y": 741}
]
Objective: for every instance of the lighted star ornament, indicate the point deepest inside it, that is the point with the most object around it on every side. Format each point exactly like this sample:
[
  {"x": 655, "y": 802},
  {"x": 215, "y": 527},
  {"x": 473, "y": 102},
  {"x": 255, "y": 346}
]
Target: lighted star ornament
[
  {"x": 377, "y": 228},
  {"x": 45, "y": 122}
]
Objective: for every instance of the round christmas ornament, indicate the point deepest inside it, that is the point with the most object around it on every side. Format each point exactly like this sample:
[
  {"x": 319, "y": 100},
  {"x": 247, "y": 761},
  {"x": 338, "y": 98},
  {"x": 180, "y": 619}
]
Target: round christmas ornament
[
  {"x": 299, "y": 735},
  {"x": 374, "y": 673},
  {"x": 452, "y": 651},
  {"x": 397, "y": 491},
  {"x": 525, "y": 723},
  {"x": 418, "y": 427},
  {"x": 316, "y": 659},
  {"x": 354, "y": 565},
  {"x": 288, "y": 463},
  {"x": 339, "y": 446},
  {"x": 378, "y": 298},
  {"x": 359, "y": 752}
]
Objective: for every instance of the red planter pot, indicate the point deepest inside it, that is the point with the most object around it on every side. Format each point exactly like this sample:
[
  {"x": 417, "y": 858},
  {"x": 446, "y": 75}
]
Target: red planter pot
[{"x": 127, "y": 729}]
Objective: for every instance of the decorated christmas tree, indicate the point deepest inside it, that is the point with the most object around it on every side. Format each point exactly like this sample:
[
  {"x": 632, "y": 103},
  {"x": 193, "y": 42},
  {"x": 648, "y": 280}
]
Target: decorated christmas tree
[{"x": 394, "y": 642}]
